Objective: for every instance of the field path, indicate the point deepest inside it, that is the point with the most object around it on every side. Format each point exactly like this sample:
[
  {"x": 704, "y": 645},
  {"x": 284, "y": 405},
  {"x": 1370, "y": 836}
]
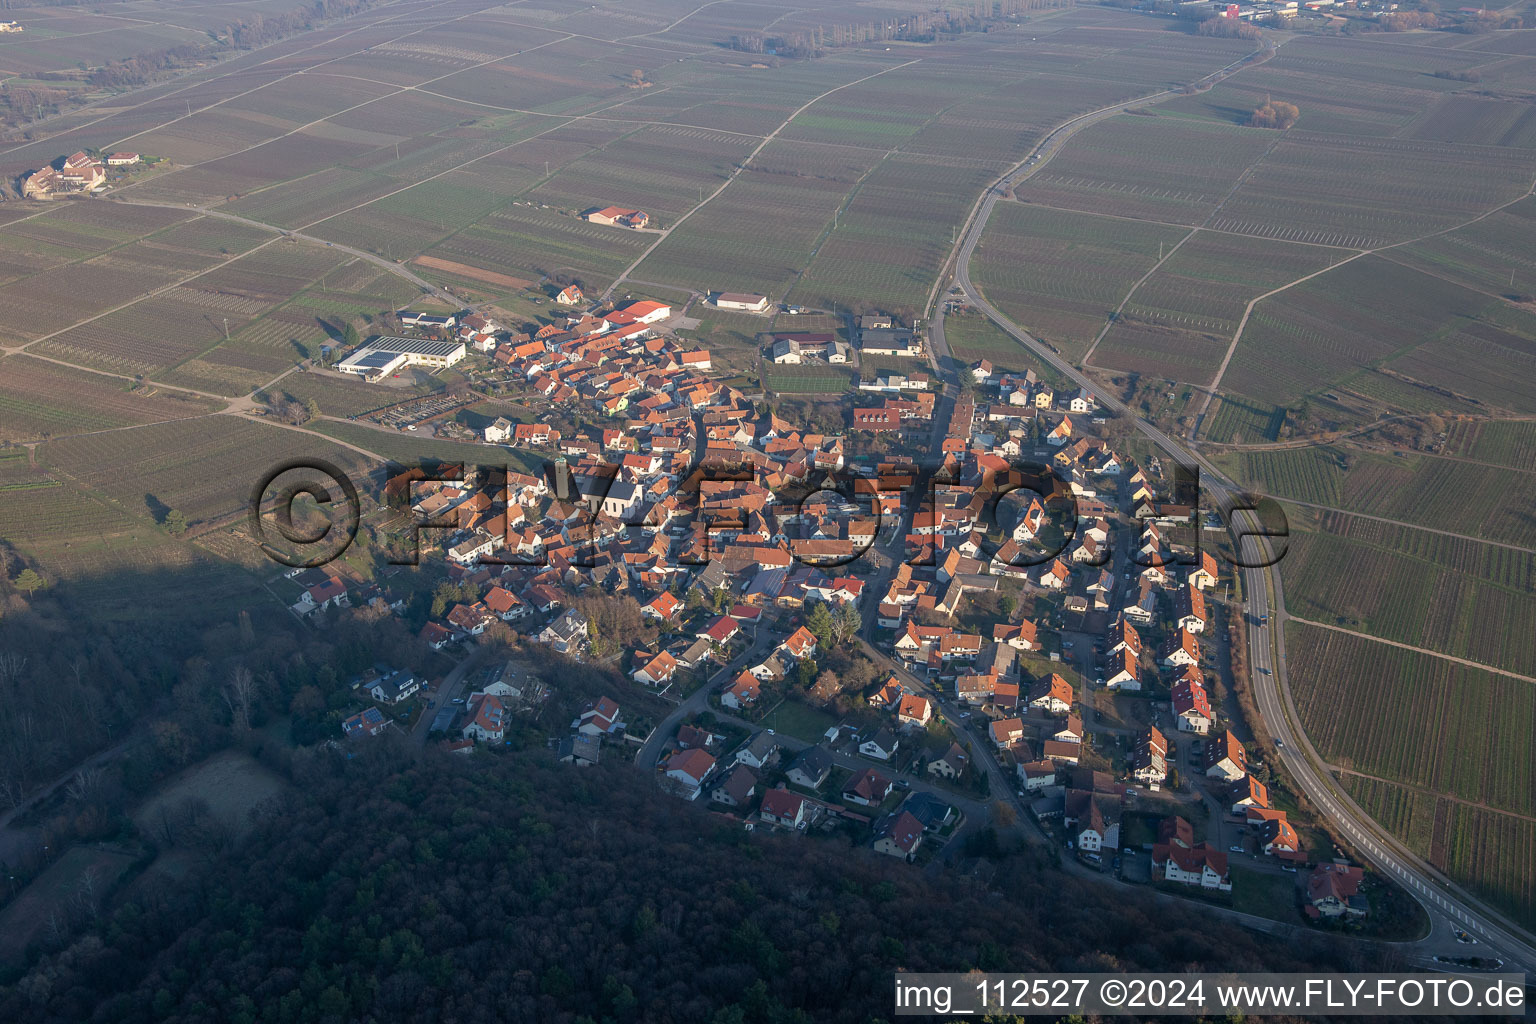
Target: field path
[
  {"x": 1237, "y": 336},
  {"x": 736, "y": 172},
  {"x": 1114, "y": 318},
  {"x": 1337, "y": 770},
  {"x": 1408, "y": 526},
  {"x": 1410, "y": 647}
]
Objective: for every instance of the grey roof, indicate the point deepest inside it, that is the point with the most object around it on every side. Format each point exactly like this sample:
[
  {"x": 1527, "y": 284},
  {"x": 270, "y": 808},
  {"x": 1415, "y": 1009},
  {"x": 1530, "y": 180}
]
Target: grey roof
[
  {"x": 927, "y": 808},
  {"x": 814, "y": 761},
  {"x": 588, "y": 748},
  {"x": 412, "y": 346},
  {"x": 884, "y": 739},
  {"x": 762, "y": 745}
]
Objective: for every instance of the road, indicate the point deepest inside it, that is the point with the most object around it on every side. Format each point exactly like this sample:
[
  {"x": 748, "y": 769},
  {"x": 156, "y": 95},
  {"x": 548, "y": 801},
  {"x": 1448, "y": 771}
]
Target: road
[
  {"x": 398, "y": 269},
  {"x": 452, "y": 683},
  {"x": 1448, "y": 906}
]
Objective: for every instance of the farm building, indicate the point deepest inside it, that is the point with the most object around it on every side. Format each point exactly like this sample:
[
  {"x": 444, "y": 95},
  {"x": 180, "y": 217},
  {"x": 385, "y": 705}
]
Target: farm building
[
  {"x": 617, "y": 216},
  {"x": 738, "y": 300},
  {"x": 9, "y": 26},
  {"x": 410, "y": 318},
  {"x": 122, "y": 159},
  {"x": 888, "y": 342},
  {"x": 78, "y": 173},
  {"x": 384, "y": 355}
]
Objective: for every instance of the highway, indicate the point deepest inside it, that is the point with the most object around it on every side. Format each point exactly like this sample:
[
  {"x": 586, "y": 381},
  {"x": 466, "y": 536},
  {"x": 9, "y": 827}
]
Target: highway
[{"x": 1449, "y": 908}]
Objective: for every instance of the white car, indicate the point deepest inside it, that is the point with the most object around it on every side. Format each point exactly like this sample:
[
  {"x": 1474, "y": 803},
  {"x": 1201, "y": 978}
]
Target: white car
[{"x": 1235, "y": 849}]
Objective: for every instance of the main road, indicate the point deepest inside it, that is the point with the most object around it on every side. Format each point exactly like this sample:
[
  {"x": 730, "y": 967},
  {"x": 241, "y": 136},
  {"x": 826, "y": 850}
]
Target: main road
[{"x": 1449, "y": 907}]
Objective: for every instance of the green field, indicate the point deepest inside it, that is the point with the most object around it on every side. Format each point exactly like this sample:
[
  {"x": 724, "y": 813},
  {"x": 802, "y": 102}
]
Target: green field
[
  {"x": 798, "y": 720},
  {"x": 807, "y": 379}
]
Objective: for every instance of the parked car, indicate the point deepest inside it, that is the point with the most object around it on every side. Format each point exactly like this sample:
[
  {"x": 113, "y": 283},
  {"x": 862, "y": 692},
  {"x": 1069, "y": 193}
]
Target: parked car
[{"x": 1235, "y": 849}]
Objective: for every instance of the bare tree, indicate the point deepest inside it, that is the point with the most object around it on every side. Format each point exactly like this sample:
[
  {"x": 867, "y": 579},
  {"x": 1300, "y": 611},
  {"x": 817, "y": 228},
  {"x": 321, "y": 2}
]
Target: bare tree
[
  {"x": 239, "y": 694},
  {"x": 85, "y": 783}
]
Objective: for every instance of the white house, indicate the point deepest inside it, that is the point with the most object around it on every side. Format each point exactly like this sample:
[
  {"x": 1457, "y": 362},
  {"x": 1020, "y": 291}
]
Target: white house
[
  {"x": 741, "y": 301},
  {"x": 499, "y": 432}
]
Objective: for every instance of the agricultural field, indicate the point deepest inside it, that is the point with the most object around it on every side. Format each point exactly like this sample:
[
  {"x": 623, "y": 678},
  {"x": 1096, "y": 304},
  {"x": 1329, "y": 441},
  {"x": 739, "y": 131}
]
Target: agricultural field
[
  {"x": 1509, "y": 443},
  {"x": 973, "y": 336},
  {"x": 1414, "y": 718},
  {"x": 1485, "y": 850},
  {"x": 39, "y": 399},
  {"x": 1479, "y": 501},
  {"x": 1151, "y": 167},
  {"x": 203, "y": 468},
  {"x": 1030, "y": 261},
  {"x": 1442, "y": 596},
  {"x": 1371, "y": 318}
]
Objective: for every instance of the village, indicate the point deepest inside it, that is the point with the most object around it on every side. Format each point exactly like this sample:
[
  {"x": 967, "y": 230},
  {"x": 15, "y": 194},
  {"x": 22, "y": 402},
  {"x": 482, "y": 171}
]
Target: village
[{"x": 921, "y": 655}]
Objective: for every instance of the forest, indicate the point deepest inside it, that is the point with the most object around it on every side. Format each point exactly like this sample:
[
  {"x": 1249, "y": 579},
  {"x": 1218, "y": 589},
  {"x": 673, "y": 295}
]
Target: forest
[{"x": 414, "y": 885}]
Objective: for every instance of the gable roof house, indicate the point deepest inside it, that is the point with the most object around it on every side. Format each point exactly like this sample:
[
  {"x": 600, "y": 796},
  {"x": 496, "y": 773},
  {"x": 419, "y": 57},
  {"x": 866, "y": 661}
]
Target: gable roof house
[
  {"x": 900, "y": 835},
  {"x": 1199, "y": 865},
  {"x": 881, "y": 746},
  {"x": 914, "y": 711},
  {"x": 736, "y": 789},
  {"x": 867, "y": 788},
  {"x": 1225, "y": 758},
  {"x": 1053, "y": 694},
  {"x": 1333, "y": 890},
  {"x": 810, "y": 768},
  {"x": 951, "y": 764},
  {"x": 781, "y": 807},
  {"x": 687, "y": 770}
]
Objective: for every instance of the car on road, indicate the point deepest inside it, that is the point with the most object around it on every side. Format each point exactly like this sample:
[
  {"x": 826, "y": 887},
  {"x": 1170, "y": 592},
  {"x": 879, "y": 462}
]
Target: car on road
[
  {"x": 458, "y": 700},
  {"x": 1235, "y": 849},
  {"x": 1288, "y": 867},
  {"x": 772, "y": 733},
  {"x": 903, "y": 784},
  {"x": 1279, "y": 744}
]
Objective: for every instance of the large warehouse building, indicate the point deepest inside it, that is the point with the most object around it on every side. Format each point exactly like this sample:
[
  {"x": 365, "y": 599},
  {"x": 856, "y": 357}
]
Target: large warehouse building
[{"x": 382, "y": 356}]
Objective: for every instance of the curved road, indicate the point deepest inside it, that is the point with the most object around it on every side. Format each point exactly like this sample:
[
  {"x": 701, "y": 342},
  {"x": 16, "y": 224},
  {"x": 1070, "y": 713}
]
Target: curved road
[{"x": 1447, "y": 905}]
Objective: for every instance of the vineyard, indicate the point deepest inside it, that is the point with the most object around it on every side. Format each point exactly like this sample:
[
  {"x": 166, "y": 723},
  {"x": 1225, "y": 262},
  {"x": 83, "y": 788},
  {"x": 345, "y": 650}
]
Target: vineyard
[
  {"x": 1415, "y": 718},
  {"x": 1240, "y": 421},
  {"x": 40, "y": 399},
  {"x": 1423, "y": 602},
  {"x": 1509, "y": 443},
  {"x": 1158, "y": 168},
  {"x": 204, "y": 469},
  {"x": 1444, "y": 494},
  {"x": 1030, "y": 261},
  {"x": 711, "y": 251},
  {"x": 973, "y": 337}
]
